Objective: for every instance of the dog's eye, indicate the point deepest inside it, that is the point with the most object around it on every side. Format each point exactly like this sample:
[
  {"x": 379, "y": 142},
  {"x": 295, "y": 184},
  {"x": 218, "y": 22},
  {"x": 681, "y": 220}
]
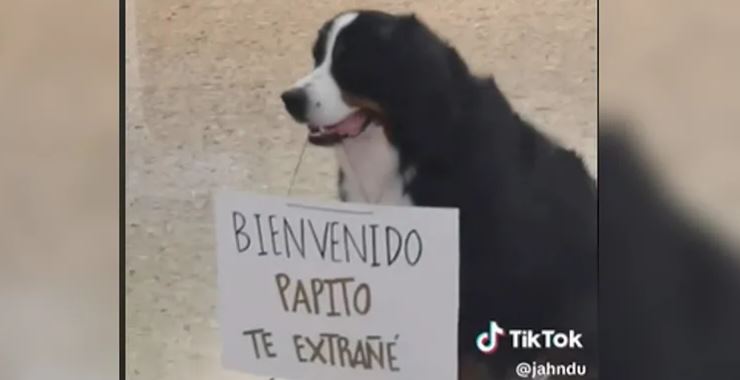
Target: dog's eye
[
  {"x": 319, "y": 47},
  {"x": 339, "y": 49},
  {"x": 316, "y": 54}
]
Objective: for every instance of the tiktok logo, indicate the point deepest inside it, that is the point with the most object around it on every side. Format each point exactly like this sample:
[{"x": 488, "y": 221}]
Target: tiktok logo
[{"x": 487, "y": 341}]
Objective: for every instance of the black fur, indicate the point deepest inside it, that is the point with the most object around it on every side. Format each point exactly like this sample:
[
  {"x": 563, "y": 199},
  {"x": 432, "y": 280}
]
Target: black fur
[
  {"x": 527, "y": 205},
  {"x": 669, "y": 291}
]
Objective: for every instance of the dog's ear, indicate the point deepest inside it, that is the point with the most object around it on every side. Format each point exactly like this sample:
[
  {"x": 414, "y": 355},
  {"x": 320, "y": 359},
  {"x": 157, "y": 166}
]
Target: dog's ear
[
  {"x": 409, "y": 19},
  {"x": 410, "y": 23},
  {"x": 404, "y": 21}
]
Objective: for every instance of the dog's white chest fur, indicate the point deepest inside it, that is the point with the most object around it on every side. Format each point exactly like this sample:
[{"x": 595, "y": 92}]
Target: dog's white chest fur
[{"x": 371, "y": 170}]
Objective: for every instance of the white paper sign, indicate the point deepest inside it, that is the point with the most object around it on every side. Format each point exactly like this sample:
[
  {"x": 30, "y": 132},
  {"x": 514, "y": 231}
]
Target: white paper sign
[{"x": 324, "y": 291}]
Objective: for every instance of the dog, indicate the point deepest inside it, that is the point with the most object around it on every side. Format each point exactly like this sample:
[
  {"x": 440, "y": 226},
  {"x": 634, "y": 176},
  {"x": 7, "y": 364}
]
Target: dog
[{"x": 411, "y": 125}]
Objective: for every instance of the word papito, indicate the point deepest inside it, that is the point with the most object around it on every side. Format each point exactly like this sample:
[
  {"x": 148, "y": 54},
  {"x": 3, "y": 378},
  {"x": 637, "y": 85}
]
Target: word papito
[
  {"x": 334, "y": 296},
  {"x": 370, "y": 243}
]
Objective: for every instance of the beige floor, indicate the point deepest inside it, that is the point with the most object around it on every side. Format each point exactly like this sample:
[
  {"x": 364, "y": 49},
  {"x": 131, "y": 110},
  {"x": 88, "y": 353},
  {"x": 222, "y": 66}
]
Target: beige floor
[{"x": 203, "y": 113}]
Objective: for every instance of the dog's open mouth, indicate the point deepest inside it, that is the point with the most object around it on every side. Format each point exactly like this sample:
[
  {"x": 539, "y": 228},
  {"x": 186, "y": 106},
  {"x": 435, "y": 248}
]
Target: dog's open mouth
[{"x": 351, "y": 126}]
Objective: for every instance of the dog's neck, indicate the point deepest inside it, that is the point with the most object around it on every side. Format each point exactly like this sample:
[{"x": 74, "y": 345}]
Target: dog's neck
[{"x": 370, "y": 170}]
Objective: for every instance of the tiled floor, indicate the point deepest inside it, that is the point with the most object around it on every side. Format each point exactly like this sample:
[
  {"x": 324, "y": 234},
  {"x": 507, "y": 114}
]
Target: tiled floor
[{"x": 203, "y": 113}]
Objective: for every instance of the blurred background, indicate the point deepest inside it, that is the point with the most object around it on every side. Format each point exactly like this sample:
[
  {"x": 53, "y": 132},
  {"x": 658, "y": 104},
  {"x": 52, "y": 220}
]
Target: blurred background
[
  {"x": 59, "y": 189},
  {"x": 668, "y": 271},
  {"x": 204, "y": 113},
  {"x": 670, "y": 67}
]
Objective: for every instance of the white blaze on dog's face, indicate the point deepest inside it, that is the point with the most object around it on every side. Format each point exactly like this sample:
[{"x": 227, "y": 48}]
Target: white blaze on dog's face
[
  {"x": 325, "y": 105},
  {"x": 318, "y": 100},
  {"x": 373, "y": 69},
  {"x": 341, "y": 104}
]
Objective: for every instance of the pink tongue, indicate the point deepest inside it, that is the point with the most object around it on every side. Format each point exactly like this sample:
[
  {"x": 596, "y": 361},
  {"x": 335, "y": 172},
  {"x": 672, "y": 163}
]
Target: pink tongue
[{"x": 350, "y": 126}]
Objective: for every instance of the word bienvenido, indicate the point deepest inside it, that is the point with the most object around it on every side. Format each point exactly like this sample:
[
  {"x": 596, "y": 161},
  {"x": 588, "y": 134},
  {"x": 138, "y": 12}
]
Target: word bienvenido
[{"x": 371, "y": 244}]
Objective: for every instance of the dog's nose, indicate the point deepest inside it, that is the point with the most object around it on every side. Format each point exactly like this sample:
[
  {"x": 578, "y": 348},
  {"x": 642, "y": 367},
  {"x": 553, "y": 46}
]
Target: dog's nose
[{"x": 295, "y": 103}]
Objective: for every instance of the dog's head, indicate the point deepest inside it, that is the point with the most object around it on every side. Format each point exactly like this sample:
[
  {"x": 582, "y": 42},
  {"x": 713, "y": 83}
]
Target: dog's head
[{"x": 368, "y": 65}]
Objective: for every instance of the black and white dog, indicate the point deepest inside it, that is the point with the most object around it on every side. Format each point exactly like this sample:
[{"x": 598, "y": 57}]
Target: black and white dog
[{"x": 412, "y": 126}]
